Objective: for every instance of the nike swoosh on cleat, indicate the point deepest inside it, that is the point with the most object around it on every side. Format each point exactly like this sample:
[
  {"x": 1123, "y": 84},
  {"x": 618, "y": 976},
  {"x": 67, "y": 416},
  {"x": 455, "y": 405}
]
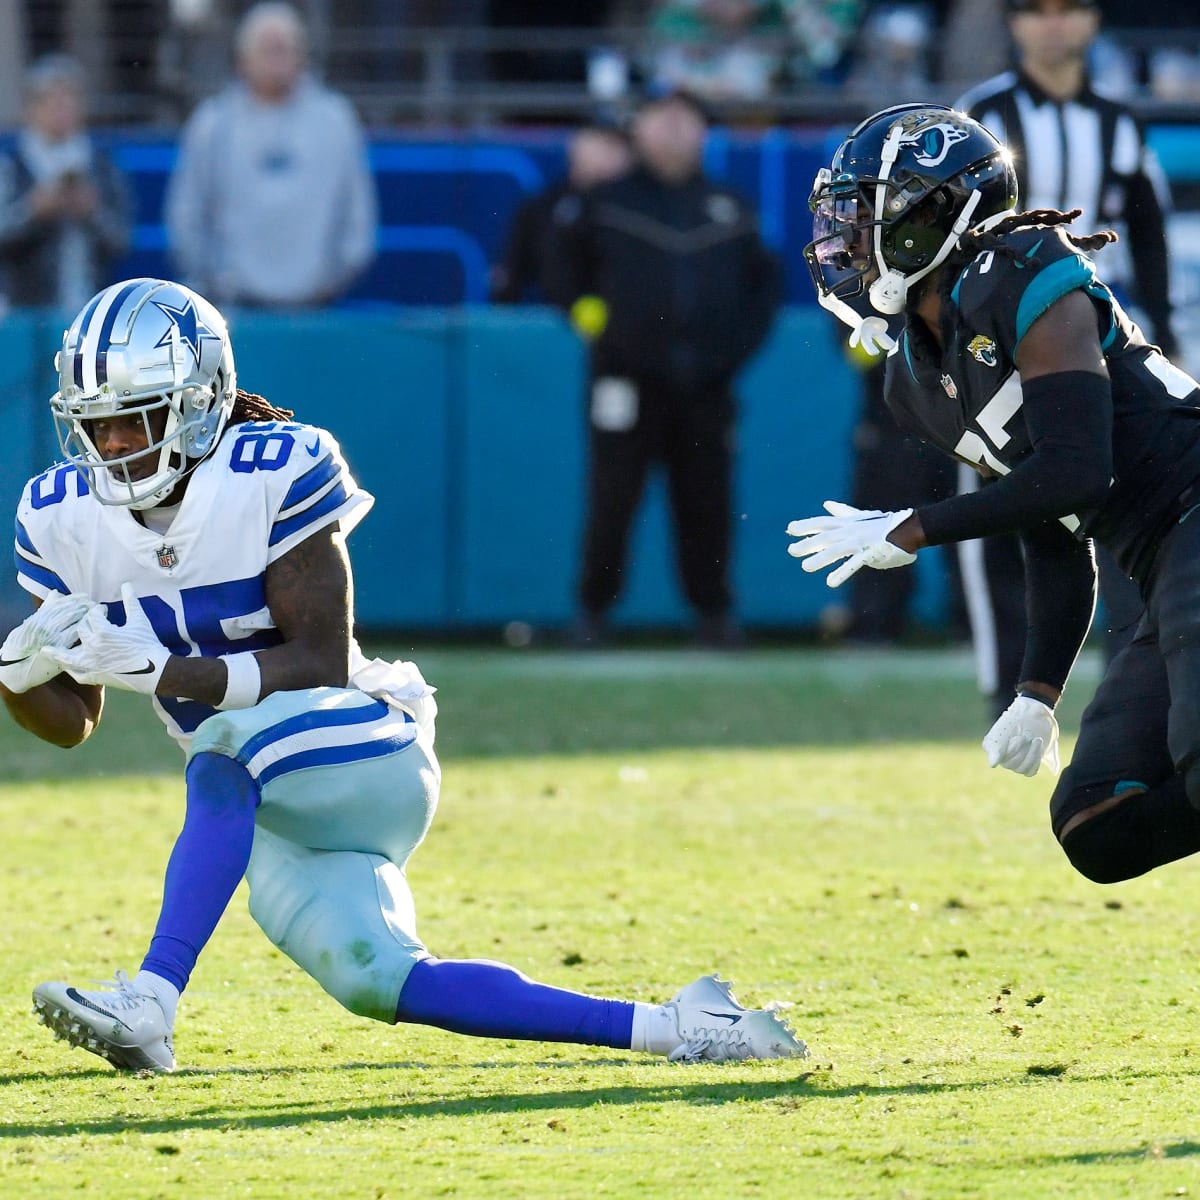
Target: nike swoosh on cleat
[
  {"x": 721, "y": 1016},
  {"x": 86, "y": 1003}
]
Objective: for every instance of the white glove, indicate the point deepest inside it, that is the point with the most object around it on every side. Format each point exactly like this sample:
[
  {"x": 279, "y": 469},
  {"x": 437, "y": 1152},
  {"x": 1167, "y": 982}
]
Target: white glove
[
  {"x": 22, "y": 663},
  {"x": 128, "y": 656},
  {"x": 1024, "y": 737},
  {"x": 855, "y": 534},
  {"x": 872, "y": 335}
]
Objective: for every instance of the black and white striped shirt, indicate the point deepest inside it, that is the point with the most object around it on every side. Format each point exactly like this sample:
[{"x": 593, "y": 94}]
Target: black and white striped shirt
[{"x": 1087, "y": 153}]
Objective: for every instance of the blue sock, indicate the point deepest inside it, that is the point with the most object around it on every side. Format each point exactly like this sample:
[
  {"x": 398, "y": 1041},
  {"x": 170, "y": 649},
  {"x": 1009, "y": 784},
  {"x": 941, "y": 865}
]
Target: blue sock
[
  {"x": 489, "y": 999},
  {"x": 206, "y": 865}
]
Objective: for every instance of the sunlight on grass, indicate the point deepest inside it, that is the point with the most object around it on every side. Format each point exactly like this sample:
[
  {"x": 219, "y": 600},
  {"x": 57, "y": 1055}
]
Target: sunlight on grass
[{"x": 983, "y": 1021}]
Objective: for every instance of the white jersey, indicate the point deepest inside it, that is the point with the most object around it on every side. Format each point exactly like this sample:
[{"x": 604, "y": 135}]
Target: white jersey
[{"x": 266, "y": 488}]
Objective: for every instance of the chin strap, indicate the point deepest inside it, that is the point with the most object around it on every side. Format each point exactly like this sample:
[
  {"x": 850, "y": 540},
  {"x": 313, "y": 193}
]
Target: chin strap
[{"x": 869, "y": 334}]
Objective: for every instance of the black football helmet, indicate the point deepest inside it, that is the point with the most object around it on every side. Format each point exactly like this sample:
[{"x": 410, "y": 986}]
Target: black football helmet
[{"x": 901, "y": 190}]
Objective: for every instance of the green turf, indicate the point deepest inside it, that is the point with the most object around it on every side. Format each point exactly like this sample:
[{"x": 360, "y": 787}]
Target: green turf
[{"x": 820, "y": 827}]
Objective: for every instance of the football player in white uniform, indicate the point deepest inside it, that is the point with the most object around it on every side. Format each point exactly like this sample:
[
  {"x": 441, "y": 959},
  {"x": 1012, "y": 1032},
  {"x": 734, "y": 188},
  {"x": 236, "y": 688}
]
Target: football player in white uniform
[{"x": 191, "y": 547}]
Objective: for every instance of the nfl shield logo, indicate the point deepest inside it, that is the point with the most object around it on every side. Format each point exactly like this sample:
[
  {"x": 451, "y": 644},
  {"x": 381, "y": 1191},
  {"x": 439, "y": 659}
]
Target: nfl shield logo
[
  {"x": 950, "y": 386},
  {"x": 167, "y": 558}
]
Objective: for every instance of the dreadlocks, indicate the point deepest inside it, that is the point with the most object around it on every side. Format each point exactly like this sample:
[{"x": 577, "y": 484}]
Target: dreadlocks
[
  {"x": 975, "y": 241},
  {"x": 250, "y": 406}
]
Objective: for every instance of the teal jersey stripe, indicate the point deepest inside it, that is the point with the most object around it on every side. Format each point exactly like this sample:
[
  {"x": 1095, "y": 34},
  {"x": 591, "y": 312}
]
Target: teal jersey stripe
[
  {"x": 1050, "y": 285},
  {"x": 908, "y": 357}
]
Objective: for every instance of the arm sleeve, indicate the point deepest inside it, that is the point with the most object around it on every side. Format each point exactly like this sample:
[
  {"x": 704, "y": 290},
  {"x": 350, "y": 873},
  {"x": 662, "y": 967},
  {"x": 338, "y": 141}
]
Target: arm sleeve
[
  {"x": 1069, "y": 418},
  {"x": 1060, "y": 599}
]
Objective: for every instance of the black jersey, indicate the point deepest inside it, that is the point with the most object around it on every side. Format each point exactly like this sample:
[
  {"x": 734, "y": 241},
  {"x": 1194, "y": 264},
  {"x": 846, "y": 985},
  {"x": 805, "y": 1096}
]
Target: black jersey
[{"x": 955, "y": 396}]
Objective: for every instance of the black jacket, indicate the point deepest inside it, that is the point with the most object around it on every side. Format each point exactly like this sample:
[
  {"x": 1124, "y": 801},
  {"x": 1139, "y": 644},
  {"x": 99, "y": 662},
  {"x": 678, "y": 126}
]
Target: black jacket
[
  {"x": 691, "y": 290},
  {"x": 519, "y": 276}
]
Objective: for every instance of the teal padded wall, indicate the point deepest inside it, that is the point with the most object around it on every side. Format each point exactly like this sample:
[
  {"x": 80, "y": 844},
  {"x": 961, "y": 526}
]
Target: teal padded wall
[
  {"x": 469, "y": 426},
  {"x": 381, "y": 383},
  {"x": 25, "y": 385}
]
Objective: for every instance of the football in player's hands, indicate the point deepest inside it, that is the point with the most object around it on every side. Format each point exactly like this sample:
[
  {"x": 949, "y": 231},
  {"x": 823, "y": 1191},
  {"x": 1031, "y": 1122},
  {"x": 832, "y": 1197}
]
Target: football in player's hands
[{"x": 23, "y": 661}]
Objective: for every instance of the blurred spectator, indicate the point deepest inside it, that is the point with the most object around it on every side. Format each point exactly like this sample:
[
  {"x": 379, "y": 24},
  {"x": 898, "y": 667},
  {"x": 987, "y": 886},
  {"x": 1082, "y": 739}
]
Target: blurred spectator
[
  {"x": 595, "y": 154},
  {"x": 718, "y": 49},
  {"x": 272, "y": 200},
  {"x": 1072, "y": 148},
  {"x": 891, "y": 57},
  {"x": 1163, "y": 57},
  {"x": 973, "y": 42},
  {"x": 665, "y": 272},
  {"x": 64, "y": 207},
  {"x": 822, "y": 33}
]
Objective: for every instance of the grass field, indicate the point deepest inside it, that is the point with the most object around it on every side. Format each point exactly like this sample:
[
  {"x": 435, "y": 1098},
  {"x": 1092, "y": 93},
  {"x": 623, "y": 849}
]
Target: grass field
[{"x": 819, "y": 826}]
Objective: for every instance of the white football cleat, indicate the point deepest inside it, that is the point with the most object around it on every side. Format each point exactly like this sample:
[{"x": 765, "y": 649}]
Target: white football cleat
[
  {"x": 126, "y": 1027},
  {"x": 714, "y": 1027}
]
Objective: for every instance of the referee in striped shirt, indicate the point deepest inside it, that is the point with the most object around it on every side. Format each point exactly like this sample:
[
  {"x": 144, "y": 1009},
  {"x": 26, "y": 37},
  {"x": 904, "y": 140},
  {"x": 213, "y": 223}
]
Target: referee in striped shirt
[{"x": 1073, "y": 148}]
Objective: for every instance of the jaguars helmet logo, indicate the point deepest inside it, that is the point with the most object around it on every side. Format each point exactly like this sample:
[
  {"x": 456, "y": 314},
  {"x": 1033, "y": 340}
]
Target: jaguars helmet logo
[
  {"x": 983, "y": 349},
  {"x": 932, "y": 142}
]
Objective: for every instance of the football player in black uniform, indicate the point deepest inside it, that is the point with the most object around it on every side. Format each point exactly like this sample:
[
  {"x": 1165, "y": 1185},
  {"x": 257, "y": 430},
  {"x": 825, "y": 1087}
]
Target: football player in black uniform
[{"x": 918, "y": 213}]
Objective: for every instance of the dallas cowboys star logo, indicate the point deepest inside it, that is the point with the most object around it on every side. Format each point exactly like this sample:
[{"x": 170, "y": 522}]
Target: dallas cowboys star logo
[{"x": 192, "y": 330}]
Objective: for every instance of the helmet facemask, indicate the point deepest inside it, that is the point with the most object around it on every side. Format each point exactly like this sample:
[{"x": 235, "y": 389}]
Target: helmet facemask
[{"x": 110, "y": 479}]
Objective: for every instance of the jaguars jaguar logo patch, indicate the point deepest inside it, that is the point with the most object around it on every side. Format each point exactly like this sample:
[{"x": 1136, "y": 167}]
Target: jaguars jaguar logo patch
[
  {"x": 983, "y": 350},
  {"x": 931, "y": 143}
]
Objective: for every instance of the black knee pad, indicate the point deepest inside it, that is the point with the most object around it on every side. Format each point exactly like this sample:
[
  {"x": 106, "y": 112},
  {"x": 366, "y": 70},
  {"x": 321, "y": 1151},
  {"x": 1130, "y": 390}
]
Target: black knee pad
[{"x": 1099, "y": 848}]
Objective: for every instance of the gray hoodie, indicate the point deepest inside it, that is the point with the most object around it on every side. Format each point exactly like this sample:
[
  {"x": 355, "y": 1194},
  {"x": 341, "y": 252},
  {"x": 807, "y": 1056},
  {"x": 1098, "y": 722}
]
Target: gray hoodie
[{"x": 272, "y": 204}]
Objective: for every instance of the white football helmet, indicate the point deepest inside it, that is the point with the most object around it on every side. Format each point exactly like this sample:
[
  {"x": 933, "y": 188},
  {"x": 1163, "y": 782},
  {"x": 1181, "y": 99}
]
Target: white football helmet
[{"x": 148, "y": 348}]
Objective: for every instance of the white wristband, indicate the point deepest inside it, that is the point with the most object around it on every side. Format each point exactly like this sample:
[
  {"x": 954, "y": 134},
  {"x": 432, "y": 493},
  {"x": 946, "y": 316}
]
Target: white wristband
[{"x": 244, "y": 683}]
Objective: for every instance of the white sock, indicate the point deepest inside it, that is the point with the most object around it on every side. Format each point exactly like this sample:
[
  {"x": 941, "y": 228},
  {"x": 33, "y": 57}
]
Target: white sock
[
  {"x": 163, "y": 990},
  {"x": 655, "y": 1030}
]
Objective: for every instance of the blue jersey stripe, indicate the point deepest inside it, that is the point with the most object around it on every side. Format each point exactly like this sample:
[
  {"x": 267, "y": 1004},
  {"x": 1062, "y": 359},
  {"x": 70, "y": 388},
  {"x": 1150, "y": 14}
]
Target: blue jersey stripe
[
  {"x": 40, "y": 575},
  {"x": 332, "y": 756},
  {"x": 327, "y": 504},
  {"x": 1050, "y": 285},
  {"x": 24, "y": 540},
  {"x": 187, "y": 714},
  {"x": 311, "y": 481},
  {"x": 317, "y": 718}
]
